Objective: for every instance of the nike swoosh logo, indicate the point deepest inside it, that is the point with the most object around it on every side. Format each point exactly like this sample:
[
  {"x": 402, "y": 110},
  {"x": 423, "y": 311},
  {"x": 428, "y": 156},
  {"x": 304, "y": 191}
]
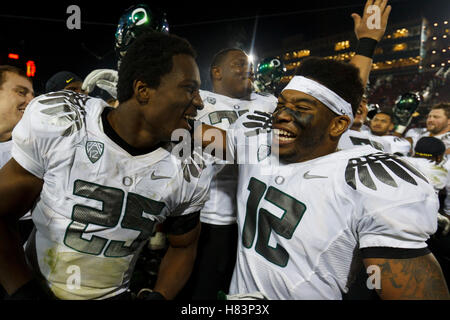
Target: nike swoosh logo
[
  {"x": 158, "y": 177},
  {"x": 67, "y": 81},
  {"x": 309, "y": 176}
]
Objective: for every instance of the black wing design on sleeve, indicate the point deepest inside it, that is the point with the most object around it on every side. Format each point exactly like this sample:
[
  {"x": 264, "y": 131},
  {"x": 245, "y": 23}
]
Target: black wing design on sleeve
[
  {"x": 382, "y": 166},
  {"x": 66, "y": 108}
]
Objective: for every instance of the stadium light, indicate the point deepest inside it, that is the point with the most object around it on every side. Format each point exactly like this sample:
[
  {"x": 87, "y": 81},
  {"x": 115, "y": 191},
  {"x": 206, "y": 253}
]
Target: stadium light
[
  {"x": 13, "y": 56},
  {"x": 31, "y": 68}
]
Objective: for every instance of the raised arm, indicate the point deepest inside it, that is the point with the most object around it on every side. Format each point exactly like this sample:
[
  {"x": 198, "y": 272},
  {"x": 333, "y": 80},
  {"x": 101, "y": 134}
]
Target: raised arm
[
  {"x": 418, "y": 278},
  {"x": 367, "y": 32}
]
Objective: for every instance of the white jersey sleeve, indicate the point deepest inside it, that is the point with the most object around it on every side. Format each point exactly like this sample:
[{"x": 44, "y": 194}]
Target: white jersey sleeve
[
  {"x": 45, "y": 123},
  {"x": 351, "y": 139},
  {"x": 5, "y": 152},
  {"x": 398, "y": 145},
  {"x": 399, "y": 206}
]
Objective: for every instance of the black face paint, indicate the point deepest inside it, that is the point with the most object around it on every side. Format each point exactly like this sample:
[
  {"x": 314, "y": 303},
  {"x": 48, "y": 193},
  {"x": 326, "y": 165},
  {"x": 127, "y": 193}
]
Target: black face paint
[{"x": 301, "y": 120}]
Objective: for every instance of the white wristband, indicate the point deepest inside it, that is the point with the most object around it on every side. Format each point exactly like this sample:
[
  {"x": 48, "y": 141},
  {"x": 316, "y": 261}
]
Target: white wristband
[{"x": 400, "y": 129}]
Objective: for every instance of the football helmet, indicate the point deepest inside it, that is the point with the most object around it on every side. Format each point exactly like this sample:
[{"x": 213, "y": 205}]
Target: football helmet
[{"x": 133, "y": 22}]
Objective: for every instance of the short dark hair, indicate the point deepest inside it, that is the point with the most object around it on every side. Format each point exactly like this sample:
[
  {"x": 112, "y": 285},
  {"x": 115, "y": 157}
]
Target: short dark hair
[
  {"x": 219, "y": 57},
  {"x": 386, "y": 112},
  {"x": 444, "y": 106},
  {"x": 340, "y": 77},
  {"x": 148, "y": 59},
  {"x": 12, "y": 69}
]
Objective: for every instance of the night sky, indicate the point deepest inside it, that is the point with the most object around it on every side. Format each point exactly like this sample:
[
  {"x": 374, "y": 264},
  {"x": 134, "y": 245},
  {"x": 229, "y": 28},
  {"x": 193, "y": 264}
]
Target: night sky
[{"x": 41, "y": 34}]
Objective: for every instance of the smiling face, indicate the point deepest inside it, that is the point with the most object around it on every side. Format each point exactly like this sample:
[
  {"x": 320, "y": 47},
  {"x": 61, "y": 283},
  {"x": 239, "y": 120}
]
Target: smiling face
[
  {"x": 301, "y": 126},
  {"x": 360, "y": 116},
  {"x": 437, "y": 122},
  {"x": 174, "y": 103},
  {"x": 15, "y": 94},
  {"x": 234, "y": 77}
]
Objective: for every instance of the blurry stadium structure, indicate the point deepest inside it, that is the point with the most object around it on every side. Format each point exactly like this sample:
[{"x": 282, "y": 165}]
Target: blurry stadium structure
[{"x": 413, "y": 56}]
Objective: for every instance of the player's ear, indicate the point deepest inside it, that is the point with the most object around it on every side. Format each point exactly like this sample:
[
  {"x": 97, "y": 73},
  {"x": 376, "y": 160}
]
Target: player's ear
[
  {"x": 391, "y": 127},
  {"x": 338, "y": 126},
  {"x": 216, "y": 73},
  {"x": 142, "y": 91}
]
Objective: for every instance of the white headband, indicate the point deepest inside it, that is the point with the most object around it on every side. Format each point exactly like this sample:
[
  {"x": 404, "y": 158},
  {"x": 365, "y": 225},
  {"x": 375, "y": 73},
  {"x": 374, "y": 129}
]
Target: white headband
[{"x": 330, "y": 99}]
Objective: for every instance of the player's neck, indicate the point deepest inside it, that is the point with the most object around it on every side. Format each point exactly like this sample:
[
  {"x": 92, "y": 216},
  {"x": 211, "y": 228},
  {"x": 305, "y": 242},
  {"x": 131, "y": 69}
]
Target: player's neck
[
  {"x": 433, "y": 134},
  {"x": 223, "y": 91},
  {"x": 5, "y": 135},
  {"x": 128, "y": 125},
  {"x": 314, "y": 154}
]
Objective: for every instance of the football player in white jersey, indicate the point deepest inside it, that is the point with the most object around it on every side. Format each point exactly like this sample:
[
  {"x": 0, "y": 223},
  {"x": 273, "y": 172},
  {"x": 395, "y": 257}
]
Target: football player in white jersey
[
  {"x": 305, "y": 220},
  {"x": 100, "y": 178},
  {"x": 381, "y": 125},
  {"x": 232, "y": 79},
  {"x": 355, "y": 136}
]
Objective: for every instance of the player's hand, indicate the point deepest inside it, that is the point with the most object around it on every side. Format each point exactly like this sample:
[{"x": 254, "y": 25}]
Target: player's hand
[
  {"x": 105, "y": 79},
  {"x": 371, "y": 26},
  {"x": 444, "y": 223},
  {"x": 259, "y": 121},
  {"x": 148, "y": 294}
]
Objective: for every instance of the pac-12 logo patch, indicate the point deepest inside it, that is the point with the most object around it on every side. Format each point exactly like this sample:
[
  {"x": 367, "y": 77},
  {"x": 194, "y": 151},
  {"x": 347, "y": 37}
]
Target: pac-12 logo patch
[{"x": 94, "y": 150}]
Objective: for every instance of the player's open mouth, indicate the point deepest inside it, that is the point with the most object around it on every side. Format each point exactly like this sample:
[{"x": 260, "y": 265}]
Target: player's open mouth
[
  {"x": 284, "y": 136},
  {"x": 190, "y": 119}
]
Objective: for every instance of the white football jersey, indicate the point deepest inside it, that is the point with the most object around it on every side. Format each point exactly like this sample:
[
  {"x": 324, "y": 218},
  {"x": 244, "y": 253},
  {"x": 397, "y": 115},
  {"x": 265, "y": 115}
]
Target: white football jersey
[
  {"x": 98, "y": 204},
  {"x": 221, "y": 111},
  {"x": 351, "y": 139},
  {"x": 436, "y": 173},
  {"x": 5, "y": 152},
  {"x": 413, "y": 133},
  {"x": 397, "y": 145},
  {"x": 445, "y": 137},
  {"x": 301, "y": 224}
]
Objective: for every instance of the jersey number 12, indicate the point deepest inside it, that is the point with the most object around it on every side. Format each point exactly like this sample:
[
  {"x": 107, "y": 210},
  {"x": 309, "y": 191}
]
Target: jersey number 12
[{"x": 267, "y": 222}]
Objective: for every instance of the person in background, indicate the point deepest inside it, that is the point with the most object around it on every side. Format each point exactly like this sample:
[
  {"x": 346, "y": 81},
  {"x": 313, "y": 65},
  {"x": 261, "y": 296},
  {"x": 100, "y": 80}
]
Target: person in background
[
  {"x": 64, "y": 80},
  {"x": 232, "y": 96},
  {"x": 16, "y": 91},
  {"x": 381, "y": 126}
]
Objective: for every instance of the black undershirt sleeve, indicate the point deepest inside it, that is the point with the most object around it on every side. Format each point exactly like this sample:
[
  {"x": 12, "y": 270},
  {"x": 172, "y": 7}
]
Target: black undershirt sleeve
[
  {"x": 181, "y": 224},
  {"x": 393, "y": 253}
]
